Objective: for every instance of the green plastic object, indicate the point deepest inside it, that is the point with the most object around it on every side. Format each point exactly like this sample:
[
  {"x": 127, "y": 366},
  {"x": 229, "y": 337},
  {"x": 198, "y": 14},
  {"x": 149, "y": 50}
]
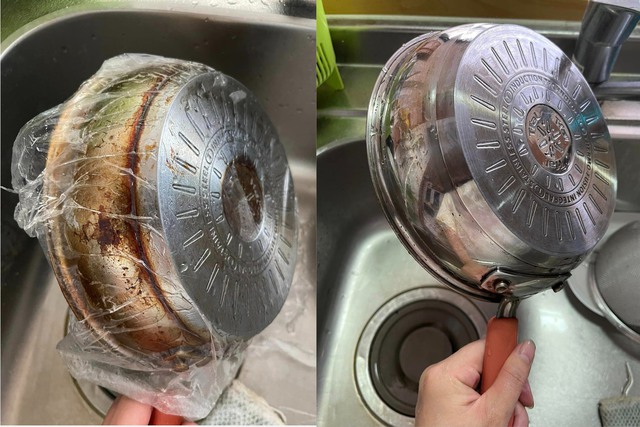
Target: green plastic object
[{"x": 326, "y": 67}]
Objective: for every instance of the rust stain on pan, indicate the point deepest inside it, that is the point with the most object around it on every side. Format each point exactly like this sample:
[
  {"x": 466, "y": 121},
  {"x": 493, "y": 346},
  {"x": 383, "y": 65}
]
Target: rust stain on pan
[
  {"x": 107, "y": 236},
  {"x": 133, "y": 158},
  {"x": 105, "y": 264}
]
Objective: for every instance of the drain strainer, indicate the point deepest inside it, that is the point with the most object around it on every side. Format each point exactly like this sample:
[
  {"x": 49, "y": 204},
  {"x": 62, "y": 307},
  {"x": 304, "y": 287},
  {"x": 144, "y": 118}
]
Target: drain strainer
[
  {"x": 410, "y": 332},
  {"x": 410, "y": 339}
]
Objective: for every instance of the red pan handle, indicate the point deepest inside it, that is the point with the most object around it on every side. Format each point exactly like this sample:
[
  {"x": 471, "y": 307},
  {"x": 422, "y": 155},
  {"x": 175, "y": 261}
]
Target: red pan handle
[
  {"x": 502, "y": 338},
  {"x": 161, "y": 419}
]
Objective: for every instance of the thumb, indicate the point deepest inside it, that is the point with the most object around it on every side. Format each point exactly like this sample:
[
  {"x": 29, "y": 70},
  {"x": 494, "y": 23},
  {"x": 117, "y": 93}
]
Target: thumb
[{"x": 502, "y": 396}]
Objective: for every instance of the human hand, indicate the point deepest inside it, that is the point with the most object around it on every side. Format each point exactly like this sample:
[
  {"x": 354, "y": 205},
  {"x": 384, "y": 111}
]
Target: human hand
[
  {"x": 448, "y": 396},
  {"x": 125, "y": 411}
]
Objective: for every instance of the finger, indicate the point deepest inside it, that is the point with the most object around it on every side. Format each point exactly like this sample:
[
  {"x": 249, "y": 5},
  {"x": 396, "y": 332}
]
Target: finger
[
  {"x": 503, "y": 395},
  {"x": 159, "y": 418},
  {"x": 526, "y": 396},
  {"x": 466, "y": 364},
  {"x": 520, "y": 417},
  {"x": 125, "y": 411}
]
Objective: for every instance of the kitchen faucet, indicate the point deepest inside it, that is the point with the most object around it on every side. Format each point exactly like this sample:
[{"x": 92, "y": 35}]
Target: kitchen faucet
[{"x": 606, "y": 25}]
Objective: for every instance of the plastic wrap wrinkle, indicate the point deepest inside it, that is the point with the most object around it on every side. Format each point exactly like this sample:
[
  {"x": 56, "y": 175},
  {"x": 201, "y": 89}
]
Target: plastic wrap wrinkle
[
  {"x": 286, "y": 351},
  {"x": 91, "y": 175}
]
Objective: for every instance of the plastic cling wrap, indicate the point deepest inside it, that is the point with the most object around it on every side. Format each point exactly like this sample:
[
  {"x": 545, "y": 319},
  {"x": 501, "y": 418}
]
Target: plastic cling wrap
[{"x": 163, "y": 199}]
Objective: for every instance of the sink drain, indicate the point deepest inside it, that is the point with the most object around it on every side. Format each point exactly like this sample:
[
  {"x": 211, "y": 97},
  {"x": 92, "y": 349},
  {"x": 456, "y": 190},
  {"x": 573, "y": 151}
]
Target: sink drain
[
  {"x": 410, "y": 332},
  {"x": 410, "y": 339}
]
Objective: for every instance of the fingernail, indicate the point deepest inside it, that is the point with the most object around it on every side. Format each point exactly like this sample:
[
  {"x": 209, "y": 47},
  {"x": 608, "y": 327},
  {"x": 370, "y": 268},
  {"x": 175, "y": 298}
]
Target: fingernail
[
  {"x": 527, "y": 389},
  {"x": 527, "y": 350}
]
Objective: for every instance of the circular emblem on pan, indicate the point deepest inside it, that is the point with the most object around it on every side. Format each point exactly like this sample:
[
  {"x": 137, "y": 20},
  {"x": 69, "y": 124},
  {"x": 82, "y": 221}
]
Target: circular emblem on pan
[
  {"x": 535, "y": 140},
  {"x": 549, "y": 138}
]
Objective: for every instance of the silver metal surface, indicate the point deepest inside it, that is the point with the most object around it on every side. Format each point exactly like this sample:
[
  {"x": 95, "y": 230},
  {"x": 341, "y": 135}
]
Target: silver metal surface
[
  {"x": 606, "y": 25},
  {"x": 358, "y": 251},
  {"x": 98, "y": 398},
  {"x": 366, "y": 389},
  {"x": 580, "y": 357},
  {"x": 613, "y": 280},
  {"x": 488, "y": 150},
  {"x": 501, "y": 286},
  {"x": 500, "y": 280},
  {"x": 629, "y": 383},
  {"x": 606, "y": 311},
  {"x": 227, "y": 204},
  {"x": 582, "y": 276},
  {"x": 17, "y": 18},
  {"x": 617, "y": 90},
  {"x": 41, "y": 66},
  {"x": 507, "y": 307}
]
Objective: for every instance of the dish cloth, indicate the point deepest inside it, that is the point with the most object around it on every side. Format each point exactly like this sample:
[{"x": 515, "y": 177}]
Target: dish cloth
[
  {"x": 621, "y": 411},
  {"x": 240, "y": 406}
]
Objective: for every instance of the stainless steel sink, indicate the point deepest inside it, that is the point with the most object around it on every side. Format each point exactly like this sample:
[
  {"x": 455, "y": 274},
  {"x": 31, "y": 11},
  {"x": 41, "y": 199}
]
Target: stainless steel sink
[
  {"x": 362, "y": 266},
  {"x": 42, "y": 65}
]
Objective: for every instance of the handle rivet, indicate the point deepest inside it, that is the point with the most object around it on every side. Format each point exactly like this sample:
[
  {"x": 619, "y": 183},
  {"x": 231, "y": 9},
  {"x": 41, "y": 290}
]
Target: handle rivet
[{"x": 501, "y": 286}]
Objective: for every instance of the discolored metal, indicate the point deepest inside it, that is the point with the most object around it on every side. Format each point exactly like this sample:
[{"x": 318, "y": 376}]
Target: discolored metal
[{"x": 123, "y": 250}]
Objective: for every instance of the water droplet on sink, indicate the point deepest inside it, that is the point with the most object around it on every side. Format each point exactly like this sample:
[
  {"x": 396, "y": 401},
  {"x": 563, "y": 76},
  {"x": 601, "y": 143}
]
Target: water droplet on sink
[{"x": 184, "y": 267}]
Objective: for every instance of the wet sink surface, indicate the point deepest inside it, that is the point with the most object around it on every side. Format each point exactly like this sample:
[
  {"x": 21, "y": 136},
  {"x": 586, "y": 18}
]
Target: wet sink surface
[
  {"x": 42, "y": 68},
  {"x": 362, "y": 265}
]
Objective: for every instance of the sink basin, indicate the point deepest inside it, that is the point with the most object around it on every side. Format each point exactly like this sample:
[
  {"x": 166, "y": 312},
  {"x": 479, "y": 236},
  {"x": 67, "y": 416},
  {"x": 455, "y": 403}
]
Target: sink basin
[
  {"x": 43, "y": 65},
  {"x": 364, "y": 271},
  {"x": 580, "y": 357}
]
